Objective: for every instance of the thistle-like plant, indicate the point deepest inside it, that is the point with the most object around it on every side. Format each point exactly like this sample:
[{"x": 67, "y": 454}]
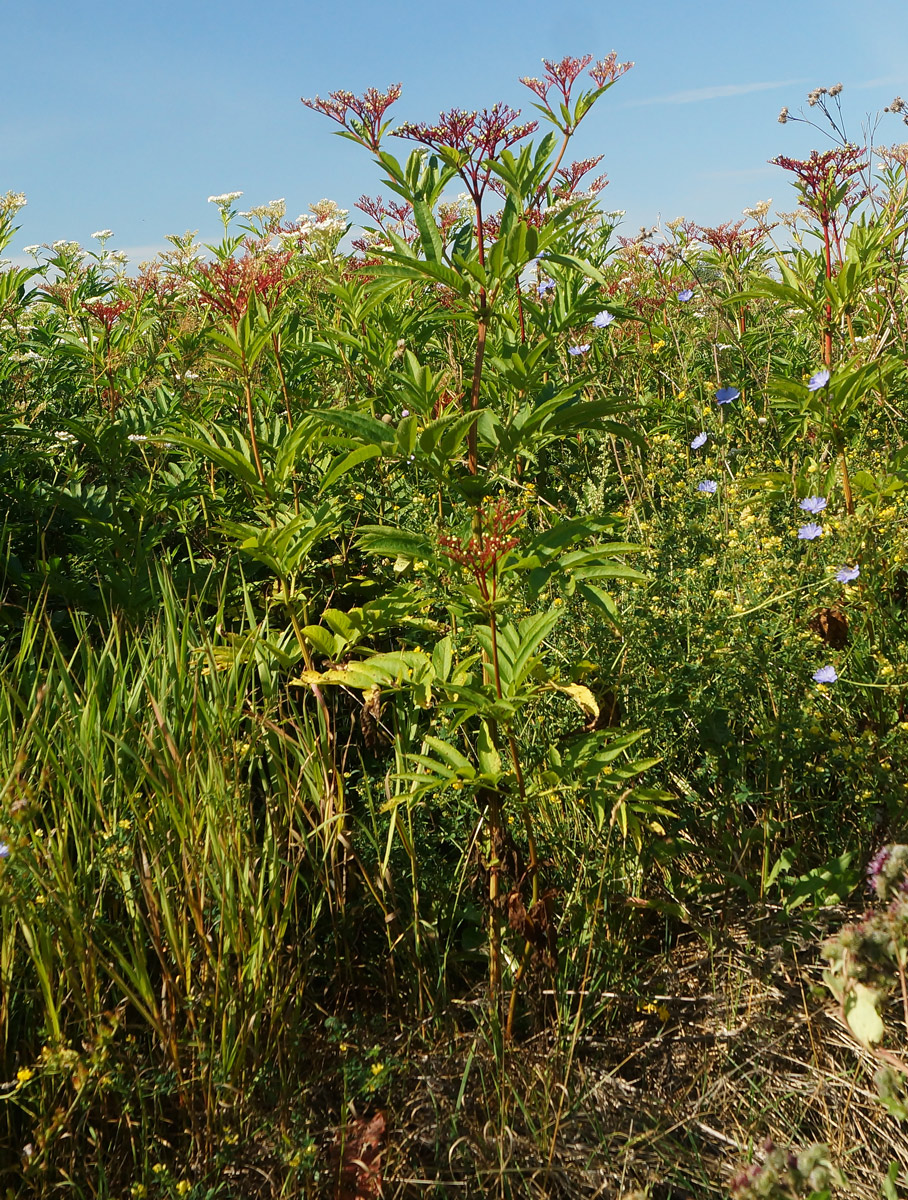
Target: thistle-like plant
[{"x": 868, "y": 959}]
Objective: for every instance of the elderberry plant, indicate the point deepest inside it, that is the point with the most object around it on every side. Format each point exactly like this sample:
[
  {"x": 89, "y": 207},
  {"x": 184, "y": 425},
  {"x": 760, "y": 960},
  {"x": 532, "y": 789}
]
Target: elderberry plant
[{"x": 521, "y": 207}]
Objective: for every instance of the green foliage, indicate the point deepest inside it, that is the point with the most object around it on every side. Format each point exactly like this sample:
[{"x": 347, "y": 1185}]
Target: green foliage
[{"x": 380, "y": 640}]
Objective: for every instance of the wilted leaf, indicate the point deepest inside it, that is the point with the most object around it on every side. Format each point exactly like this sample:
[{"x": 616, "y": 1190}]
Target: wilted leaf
[
  {"x": 831, "y": 625},
  {"x": 580, "y": 695},
  {"x": 862, "y": 1016}
]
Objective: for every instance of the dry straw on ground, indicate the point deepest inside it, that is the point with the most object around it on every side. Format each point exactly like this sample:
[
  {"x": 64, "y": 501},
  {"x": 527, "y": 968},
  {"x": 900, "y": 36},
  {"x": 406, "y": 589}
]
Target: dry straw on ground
[{"x": 736, "y": 1042}]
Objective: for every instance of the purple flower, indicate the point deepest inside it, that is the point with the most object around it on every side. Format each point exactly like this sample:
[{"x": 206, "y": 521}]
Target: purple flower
[
  {"x": 876, "y": 864},
  {"x": 848, "y": 574},
  {"x": 4, "y": 850},
  {"x": 686, "y": 295},
  {"x": 808, "y": 532},
  {"x": 602, "y": 319},
  {"x": 726, "y": 395},
  {"x": 546, "y": 285},
  {"x": 699, "y": 440},
  {"x": 575, "y": 350},
  {"x": 825, "y": 675},
  {"x": 707, "y": 485},
  {"x": 815, "y": 382},
  {"x": 813, "y": 504}
]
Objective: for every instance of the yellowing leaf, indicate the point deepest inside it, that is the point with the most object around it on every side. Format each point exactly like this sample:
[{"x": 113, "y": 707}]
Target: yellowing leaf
[
  {"x": 861, "y": 1014},
  {"x": 306, "y": 678},
  {"x": 580, "y": 695}
]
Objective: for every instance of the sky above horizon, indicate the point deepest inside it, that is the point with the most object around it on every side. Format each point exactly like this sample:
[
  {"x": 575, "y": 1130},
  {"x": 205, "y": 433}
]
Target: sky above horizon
[{"x": 128, "y": 115}]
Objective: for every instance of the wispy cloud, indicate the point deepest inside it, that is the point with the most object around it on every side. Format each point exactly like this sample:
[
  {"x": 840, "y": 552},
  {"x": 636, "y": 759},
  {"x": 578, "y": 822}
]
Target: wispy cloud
[
  {"x": 717, "y": 92},
  {"x": 135, "y": 254},
  {"x": 139, "y": 254},
  {"x": 740, "y": 173},
  {"x": 883, "y": 81}
]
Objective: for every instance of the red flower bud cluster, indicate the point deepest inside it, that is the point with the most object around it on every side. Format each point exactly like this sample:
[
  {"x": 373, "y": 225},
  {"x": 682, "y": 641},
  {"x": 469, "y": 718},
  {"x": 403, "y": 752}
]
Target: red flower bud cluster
[
  {"x": 731, "y": 237},
  {"x": 476, "y": 136},
  {"x": 398, "y": 215},
  {"x": 568, "y": 178},
  {"x": 106, "y": 314},
  {"x": 564, "y": 74},
  {"x": 482, "y": 553},
  {"x": 228, "y": 284},
  {"x": 151, "y": 282},
  {"x": 362, "y": 116},
  {"x": 826, "y": 179},
  {"x": 608, "y": 69},
  {"x": 561, "y": 75}
]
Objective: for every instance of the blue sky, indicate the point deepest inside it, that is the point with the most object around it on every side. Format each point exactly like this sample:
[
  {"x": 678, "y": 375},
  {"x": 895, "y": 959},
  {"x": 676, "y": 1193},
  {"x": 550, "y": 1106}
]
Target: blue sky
[{"x": 128, "y": 115}]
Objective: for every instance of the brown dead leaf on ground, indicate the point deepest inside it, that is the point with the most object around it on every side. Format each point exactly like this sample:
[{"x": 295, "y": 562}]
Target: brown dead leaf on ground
[
  {"x": 358, "y": 1159},
  {"x": 831, "y": 625}
]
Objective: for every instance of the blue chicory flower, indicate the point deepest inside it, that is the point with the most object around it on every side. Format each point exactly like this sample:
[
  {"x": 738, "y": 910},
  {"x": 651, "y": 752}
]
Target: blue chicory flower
[
  {"x": 699, "y": 440},
  {"x": 808, "y": 532},
  {"x": 825, "y": 675},
  {"x": 4, "y": 850},
  {"x": 546, "y": 285},
  {"x": 848, "y": 574},
  {"x": 707, "y": 485},
  {"x": 686, "y": 295},
  {"x": 726, "y": 395},
  {"x": 575, "y": 350},
  {"x": 815, "y": 382},
  {"x": 602, "y": 319},
  {"x": 813, "y": 504}
]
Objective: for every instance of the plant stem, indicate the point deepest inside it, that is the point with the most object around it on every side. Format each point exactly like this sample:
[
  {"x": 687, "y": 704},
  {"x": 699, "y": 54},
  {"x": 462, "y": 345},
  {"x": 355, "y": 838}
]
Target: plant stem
[
  {"x": 482, "y": 314},
  {"x": 827, "y": 333},
  {"x": 250, "y": 417},
  {"x": 533, "y": 871},
  {"x": 280, "y": 371},
  {"x": 472, "y": 452},
  {"x": 846, "y": 478},
  {"x": 495, "y": 992}
]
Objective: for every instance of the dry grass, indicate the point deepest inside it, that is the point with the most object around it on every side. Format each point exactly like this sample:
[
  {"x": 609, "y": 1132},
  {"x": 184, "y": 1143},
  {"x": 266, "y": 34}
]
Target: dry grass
[{"x": 666, "y": 1109}]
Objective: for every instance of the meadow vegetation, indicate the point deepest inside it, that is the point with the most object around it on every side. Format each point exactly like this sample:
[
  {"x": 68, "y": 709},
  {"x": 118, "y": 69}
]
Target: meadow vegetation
[{"x": 454, "y": 680}]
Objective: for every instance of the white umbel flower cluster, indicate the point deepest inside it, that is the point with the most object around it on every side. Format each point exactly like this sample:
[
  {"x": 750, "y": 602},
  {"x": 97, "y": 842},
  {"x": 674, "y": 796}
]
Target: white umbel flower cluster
[
  {"x": 225, "y": 200},
  {"x": 759, "y": 211},
  {"x": 320, "y": 231},
  {"x": 11, "y": 203},
  {"x": 271, "y": 213}
]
